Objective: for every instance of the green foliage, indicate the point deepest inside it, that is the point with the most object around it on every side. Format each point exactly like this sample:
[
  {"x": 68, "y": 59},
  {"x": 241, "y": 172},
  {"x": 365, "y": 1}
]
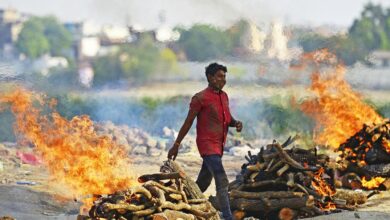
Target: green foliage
[
  {"x": 41, "y": 35},
  {"x": 346, "y": 48},
  {"x": 371, "y": 31},
  {"x": 140, "y": 61},
  {"x": 32, "y": 40},
  {"x": 107, "y": 69},
  {"x": 236, "y": 31},
  {"x": 151, "y": 103},
  {"x": 137, "y": 63},
  {"x": 284, "y": 118},
  {"x": 204, "y": 42},
  {"x": 58, "y": 36}
]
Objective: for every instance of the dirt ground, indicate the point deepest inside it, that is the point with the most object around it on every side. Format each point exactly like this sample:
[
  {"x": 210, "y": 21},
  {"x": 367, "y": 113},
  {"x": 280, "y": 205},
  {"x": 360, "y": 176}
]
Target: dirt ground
[{"x": 43, "y": 201}]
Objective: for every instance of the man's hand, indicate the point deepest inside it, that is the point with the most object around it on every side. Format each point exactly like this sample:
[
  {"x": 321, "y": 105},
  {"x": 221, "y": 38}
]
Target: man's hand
[
  {"x": 238, "y": 126},
  {"x": 172, "y": 153}
]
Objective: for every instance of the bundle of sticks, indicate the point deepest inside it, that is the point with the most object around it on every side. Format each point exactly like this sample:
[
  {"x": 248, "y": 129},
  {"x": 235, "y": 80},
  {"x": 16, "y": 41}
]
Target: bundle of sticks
[
  {"x": 167, "y": 195},
  {"x": 280, "y": 181},
  {"x": 365, "y": 157}
]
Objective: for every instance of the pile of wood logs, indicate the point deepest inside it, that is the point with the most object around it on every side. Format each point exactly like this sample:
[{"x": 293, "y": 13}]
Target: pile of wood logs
[
  {"x": 365, "y": 157},
  {"x": 279, "y": 182},
  {"x": 162, "y": 196}
]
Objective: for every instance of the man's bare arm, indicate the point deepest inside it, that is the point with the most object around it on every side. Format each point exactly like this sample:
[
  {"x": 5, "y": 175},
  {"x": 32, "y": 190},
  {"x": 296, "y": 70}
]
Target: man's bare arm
[
  {"x": 236, "y": 123},
  {"x": 182, "y": 133}
]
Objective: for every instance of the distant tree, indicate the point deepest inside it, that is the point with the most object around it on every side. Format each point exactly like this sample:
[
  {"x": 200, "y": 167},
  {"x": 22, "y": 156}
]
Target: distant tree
[
  {"x": 372, "y": 30},
  {"x": 369, "y": 32},
  {"x": 58, "y": 36},
  {"x": 107, "y": 69},
  {"x": 204, "y": 42},
  {"x": 236, "y": 31},
  {"x": 41, "y": 35},
  {"x": 31, "y": 40},
  {"x": 137, "y": 62}
]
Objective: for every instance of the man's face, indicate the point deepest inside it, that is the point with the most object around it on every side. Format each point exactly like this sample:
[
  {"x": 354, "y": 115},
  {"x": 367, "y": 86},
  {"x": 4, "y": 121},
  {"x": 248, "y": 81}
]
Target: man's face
[{"x": 218, "y": 81}]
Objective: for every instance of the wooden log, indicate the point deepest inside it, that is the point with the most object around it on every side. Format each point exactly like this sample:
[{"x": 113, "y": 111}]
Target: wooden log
[
  {"x": 172, "y": 214},
  {"x": 145, "y": 212},
  {"x": 274, "y": 204},
  {"x": 267, "y": 194},
  {"x": 191, "y": 188},
  {"x": 270, "y": 164},
  {"x": 196, "y": 201},
  {"x": 261, "y": 184},
  {"x": 290, "y": 179},
  {"x": 282, "y": 170},
  {"x": 238, "y": 214},
  {"x": 175, "y": 196},
  {"x": 276, "y": 166},
  {"x": 351, "y": 197},
  {"x": 287, "y": 159},
  {"x": 287, "y": 214},
  {"x": 253, "y": 176},
  {"x": 270, "y": 156},
  {"x": 159, "y": 216},
  {"x": 234, "y": 184},
  {"x": 125, "y": 206},
  {"x": 160, "y": 186},
  {"x": 257, "y": 167},
  {"x": 139, "y": 190},
  {"x": 351, "y": 181},
  {"x": 159, "y": 176},
  {"x": 302, "y": 188},
  {"x": 385, "y": 185},
  {"x": 376, "y": 170},
  {"x": 290, "y": 140}
]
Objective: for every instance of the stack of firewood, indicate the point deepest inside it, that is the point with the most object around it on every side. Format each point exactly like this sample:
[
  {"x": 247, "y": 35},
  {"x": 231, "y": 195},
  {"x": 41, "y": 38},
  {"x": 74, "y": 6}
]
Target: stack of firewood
[
  {"x": 365, "y": 157},
  {"x": 279, "y": 181},
  {"x": 166, "y": 195}
]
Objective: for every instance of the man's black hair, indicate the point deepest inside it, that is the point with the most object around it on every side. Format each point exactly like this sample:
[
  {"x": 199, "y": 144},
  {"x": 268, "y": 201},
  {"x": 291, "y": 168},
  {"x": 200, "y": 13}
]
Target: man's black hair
[{"x": 213, "y": 68}]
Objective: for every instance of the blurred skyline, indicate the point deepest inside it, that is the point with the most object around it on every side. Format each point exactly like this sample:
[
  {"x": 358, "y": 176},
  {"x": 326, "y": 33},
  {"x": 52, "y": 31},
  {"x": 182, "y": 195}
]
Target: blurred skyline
[{"x": 152, "y": 13}]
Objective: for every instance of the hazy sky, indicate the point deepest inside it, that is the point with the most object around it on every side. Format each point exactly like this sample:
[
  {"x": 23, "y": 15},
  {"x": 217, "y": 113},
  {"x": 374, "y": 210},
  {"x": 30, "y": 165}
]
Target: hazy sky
[{"x": 219, "y": 12}]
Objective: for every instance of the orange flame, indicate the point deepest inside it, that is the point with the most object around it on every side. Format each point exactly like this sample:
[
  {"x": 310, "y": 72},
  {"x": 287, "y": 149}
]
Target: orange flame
[
  {"x": 339, "y": 111},
  {"x": 72, "y": 151},
  {"x": 323, "y": 189},
  {"x": 373, "y": 183},
  {"x": 320, "y": 185}
]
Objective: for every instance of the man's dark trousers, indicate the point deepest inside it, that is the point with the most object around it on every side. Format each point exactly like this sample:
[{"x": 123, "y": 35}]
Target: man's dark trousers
[{"x": 212, "y": 167}]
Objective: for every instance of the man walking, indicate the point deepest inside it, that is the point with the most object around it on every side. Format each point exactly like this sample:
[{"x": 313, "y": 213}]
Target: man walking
[{"x": 211, "y": 108}]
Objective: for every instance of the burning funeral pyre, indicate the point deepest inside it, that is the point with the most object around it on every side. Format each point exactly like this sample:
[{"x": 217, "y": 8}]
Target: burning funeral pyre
[
  {"x": 365, "y": 158},
  {"x": 278, "y": 181},
  {"x": 166, "y": 195},
  {"x": 346, "y": 123}
]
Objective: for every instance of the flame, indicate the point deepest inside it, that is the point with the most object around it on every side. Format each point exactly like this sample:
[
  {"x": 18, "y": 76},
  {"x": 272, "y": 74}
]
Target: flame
[
  {"x": 71, "y": 150},
  {"x": 373, "y": 183},
  {"x": 339, "y": 111},
  {"x": 386, "y": 145},
  {"x": 323, "y": 189},
  {"x": 320, "y": 185}
]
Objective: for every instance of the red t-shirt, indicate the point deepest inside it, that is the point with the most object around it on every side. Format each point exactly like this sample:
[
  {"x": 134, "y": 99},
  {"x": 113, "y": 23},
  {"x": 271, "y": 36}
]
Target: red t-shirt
[{"x": 213, "y": 120}]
